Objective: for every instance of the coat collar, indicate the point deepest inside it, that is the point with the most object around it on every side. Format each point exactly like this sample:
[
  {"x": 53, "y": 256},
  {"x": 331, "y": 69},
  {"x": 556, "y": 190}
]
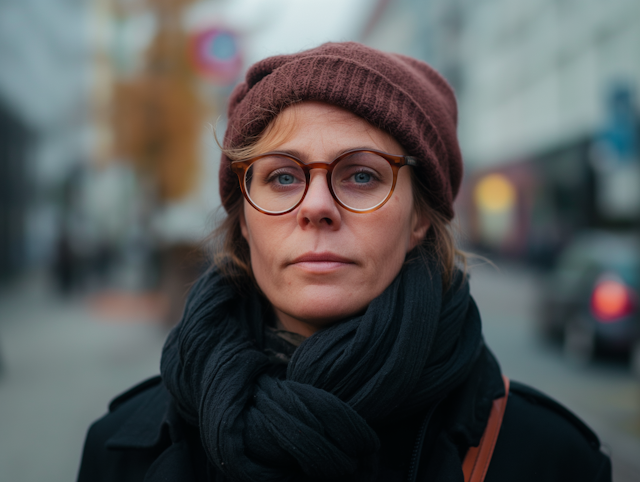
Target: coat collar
[
  {"x": 468, "y": 406},
  {"x": 153, "y": 422},
  {"x": 150, "y": 423}
]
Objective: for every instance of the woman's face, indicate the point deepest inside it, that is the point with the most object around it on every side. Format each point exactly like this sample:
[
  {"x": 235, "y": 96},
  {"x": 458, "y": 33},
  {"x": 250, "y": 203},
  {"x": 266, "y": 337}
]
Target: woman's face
[{"x": 320, "y": 263}]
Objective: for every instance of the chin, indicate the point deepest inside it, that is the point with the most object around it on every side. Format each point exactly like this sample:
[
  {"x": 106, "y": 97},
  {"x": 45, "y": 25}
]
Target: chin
[{"x": 326, "y": 305}]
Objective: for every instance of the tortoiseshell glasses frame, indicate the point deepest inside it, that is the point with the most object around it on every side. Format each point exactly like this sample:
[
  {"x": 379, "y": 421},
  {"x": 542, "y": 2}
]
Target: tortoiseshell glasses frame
[{"x": 395, "y": 162}]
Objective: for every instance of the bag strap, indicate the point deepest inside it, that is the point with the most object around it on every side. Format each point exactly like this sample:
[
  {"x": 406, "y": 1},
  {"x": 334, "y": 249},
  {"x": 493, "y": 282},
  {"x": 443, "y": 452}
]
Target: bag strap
[{"x": 477, "y": 460}]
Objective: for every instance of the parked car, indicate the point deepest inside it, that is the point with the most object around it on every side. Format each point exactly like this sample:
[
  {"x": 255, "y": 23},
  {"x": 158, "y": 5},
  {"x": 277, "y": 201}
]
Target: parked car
[{"x": 590, "y": 300}]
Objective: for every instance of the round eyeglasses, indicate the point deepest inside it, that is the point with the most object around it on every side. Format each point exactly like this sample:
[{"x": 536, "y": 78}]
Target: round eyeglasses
[{"x": 360, "y": 180}]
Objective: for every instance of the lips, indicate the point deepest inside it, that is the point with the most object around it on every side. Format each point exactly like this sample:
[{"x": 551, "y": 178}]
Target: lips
[
  {"x": 321, "y": 262},
  {"x": 325, "y": 257}
]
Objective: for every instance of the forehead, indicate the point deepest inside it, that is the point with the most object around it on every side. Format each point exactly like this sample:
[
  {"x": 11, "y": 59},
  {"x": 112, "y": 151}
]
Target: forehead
[{"x": 310, "y": 125}]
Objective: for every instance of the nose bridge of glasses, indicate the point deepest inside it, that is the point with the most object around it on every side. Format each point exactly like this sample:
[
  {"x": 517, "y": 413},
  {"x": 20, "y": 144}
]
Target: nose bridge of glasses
[
  {"x": 318, "y": 173},
  {"x": 326, "y": 166},
  {"x": 319, "y": 166}
]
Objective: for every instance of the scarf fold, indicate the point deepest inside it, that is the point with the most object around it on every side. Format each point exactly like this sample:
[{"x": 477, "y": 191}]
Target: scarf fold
[{"x": 407, "y": 351}]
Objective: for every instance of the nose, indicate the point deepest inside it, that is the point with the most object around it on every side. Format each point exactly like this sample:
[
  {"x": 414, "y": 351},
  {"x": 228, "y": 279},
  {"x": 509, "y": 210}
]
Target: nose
[{"x": 318, "y": 208}]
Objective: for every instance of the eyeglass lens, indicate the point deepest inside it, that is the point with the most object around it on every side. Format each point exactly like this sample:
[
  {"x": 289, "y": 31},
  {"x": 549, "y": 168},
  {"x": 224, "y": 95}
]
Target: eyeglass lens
[{"x": 360, "y": 181}]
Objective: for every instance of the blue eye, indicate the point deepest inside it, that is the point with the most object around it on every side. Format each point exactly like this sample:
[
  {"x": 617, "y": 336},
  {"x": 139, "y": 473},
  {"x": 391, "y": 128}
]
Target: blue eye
[
  {"x": 362, "y": 177},
  {"x": 285, "y": 179}
]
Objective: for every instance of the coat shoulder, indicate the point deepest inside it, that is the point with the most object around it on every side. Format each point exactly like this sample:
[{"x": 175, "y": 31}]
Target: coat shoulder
[
  {"x": 540, "y": 399},
  {"x": 134, "y": 417},
  {"x": 134, "y": 420},
  {"x": 540, "y": 439},
  {"x": 131, "y": 393}
]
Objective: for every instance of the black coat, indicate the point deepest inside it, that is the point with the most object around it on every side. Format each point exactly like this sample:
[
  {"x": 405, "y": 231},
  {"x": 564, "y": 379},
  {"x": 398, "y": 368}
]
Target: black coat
[{"x": 143, "y": 438}]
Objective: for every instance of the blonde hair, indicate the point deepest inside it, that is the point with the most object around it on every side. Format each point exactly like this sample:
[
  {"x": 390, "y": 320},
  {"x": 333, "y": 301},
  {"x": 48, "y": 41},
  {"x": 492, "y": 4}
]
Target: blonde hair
[{"x": 231, "y": 251}]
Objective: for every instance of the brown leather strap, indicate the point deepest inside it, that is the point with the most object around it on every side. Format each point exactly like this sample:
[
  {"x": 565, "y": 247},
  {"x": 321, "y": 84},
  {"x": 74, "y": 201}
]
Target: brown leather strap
[{"x": 477, "y": 460}]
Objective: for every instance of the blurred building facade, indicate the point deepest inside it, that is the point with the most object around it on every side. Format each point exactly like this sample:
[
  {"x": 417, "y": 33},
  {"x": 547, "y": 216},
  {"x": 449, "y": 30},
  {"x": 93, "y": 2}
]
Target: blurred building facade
[
  {"x": 116, "y": 101},
  {"x": 110, "y": 107},
  {"x": 152, "y": 117},
  {"x": 44, "y": 62},
  {"x": 107, "y": 156},
  {"x": 547, "y": 94}
]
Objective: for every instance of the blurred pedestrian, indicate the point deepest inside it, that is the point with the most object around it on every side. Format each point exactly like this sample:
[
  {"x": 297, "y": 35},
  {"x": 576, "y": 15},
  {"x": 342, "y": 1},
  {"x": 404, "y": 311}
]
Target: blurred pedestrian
[{"x": 335, "y": 338}]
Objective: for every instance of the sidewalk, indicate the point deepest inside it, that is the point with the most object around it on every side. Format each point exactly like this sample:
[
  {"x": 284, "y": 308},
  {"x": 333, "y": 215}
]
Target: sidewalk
[{"x": 62, "y": 361}]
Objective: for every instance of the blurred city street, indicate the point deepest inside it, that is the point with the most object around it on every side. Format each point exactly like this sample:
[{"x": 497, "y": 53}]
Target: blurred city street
[
  {"x": 64, "y": 360},
  {"x": 604, "y": 394},
  {"x": 110, "y": 115}
]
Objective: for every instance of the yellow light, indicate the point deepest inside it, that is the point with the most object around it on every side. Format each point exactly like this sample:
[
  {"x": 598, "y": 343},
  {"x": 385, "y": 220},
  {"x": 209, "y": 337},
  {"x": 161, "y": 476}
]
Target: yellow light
[{"x": 495, "y": 192}]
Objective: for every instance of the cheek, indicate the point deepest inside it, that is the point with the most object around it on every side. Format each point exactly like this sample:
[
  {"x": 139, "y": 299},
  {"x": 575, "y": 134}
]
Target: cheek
[
  {"x": 265, "y": 236},
  {"x": 388, "y": 235}
]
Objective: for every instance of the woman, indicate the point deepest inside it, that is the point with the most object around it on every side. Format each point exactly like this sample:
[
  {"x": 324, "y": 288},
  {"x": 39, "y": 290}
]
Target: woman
[{"x": 335, "y": 338}]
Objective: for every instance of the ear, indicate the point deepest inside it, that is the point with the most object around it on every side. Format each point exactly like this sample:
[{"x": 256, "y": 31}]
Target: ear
[{"x": 420, "y": 224}]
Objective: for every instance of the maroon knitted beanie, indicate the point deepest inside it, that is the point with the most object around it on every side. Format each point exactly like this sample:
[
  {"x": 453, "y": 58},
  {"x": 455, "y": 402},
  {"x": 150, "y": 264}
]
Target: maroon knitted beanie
[{"x": 400, "y": 95}]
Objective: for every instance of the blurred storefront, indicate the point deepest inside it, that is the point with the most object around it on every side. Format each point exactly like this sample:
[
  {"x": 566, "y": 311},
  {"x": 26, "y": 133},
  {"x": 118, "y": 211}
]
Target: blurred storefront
[{"x": 552, "y": 199}]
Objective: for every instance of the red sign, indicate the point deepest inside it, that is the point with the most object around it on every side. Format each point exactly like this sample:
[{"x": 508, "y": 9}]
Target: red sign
[{"x": 216, "y": 54}]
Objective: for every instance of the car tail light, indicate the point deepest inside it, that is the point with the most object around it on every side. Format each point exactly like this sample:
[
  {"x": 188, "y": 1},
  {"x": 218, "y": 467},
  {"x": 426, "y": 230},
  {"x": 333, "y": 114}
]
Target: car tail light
[{"x": 611, "y": 300}]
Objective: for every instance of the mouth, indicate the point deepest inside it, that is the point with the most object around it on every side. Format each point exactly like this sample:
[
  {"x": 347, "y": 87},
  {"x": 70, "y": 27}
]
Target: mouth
[{"x": 322, "y": 262}]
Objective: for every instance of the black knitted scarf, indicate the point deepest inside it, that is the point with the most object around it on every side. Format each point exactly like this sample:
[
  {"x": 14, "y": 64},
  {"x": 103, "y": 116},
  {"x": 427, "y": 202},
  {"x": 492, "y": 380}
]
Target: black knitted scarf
[{"x": 405, "y": 353}]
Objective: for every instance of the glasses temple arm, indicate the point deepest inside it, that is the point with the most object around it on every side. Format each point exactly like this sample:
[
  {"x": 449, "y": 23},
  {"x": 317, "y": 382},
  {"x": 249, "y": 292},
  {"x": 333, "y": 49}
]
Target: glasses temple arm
[{"x": 410, "y": 161}]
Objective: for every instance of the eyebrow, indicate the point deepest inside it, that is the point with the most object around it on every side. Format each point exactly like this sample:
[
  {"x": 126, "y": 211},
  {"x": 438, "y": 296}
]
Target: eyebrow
[{"x": 296, "y": 153}]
